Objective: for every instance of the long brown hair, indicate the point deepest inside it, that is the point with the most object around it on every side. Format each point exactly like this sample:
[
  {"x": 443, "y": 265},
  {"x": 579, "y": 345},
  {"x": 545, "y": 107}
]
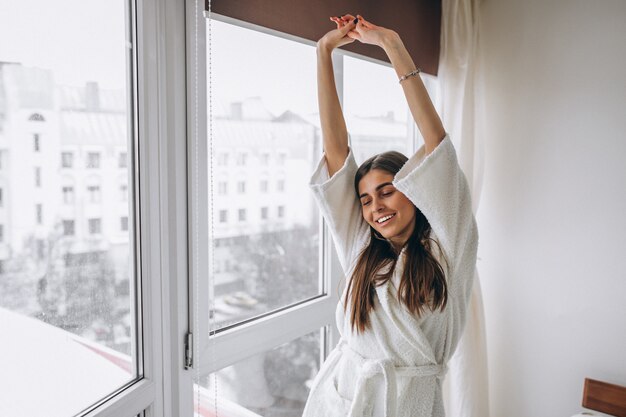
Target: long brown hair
[{"x": 423, "y": 284}]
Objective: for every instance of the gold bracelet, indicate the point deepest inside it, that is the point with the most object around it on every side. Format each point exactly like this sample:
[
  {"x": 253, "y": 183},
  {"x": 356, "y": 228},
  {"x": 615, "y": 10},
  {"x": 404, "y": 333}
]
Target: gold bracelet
[{"x": 410, "y": 74}]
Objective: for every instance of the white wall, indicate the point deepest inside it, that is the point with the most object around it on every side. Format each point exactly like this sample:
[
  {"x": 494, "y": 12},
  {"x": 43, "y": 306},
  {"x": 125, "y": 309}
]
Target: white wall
[{"x": 552, "y": 214}]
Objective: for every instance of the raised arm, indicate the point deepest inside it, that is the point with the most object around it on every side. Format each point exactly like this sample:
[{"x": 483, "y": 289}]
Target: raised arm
[
  {"x": 417, "y": 97},
  {"x": 333, "y": 124}
]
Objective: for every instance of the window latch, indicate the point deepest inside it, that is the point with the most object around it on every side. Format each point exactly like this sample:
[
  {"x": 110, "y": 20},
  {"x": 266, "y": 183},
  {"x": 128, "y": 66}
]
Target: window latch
[{"x": 189, "y": 350}]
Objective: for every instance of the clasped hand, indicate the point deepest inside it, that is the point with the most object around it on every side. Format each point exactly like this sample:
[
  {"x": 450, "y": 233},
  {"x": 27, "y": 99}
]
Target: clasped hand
[{"x": 348, "y": 31}]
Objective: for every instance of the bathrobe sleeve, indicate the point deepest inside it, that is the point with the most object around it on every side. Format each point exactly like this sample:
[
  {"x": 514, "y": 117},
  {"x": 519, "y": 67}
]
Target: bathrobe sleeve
[
  {"x": 341, "y": 209},
  {"x": 438, "y": 187}
]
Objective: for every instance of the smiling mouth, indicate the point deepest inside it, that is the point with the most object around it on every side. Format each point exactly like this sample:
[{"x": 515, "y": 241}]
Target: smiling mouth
[{"x": 383, "y": 221}]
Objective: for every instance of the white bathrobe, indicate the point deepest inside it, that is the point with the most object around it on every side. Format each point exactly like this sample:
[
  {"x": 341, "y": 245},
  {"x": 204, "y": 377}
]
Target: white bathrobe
[{"x": 395, "y": 369}]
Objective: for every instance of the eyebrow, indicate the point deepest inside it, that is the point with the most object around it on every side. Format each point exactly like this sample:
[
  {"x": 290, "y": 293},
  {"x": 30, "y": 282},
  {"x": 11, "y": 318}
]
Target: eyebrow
[{"x": 377, "y": 188}]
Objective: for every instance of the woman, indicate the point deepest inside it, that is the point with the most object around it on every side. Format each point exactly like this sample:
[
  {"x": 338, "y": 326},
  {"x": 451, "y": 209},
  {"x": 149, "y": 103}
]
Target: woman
[{"x": 407, "y": 239}]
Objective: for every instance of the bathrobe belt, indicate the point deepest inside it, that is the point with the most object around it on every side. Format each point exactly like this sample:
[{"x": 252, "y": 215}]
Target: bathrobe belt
[{"x": 372, "y": 367}]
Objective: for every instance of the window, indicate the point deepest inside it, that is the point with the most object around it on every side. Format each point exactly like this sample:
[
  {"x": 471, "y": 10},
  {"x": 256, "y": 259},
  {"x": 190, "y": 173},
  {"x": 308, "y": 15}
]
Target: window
[
  {"x": 282, "y": 157},
  {"x": 241, "y": 187},
  {"x": 122, "y": 161},
  {"x": 385, "y": 116},
  {"x": 36, "y": 117},
  {"x": 124, "y": 224},
  {"x": 68, "y": 195},
  {"x": 1, "y": 233},
  {"x": 222, "y": 159},
  {"x": 70, "y": 312},
  {"x": 68, "y": 228},
  {"x": 124, "y": 192},
  {"x": 282, "y": 372},
  {"x": 242, "y": 157},
  {"x": 95, "y": 226},
  {"x": 281, "y": 212},
  {"x": 93, "y": 194},
  {"x": 260, "y": 269},
  {"x": 67, "y": 159},
  {"x": 223, "y": 216},
  {"x": 41, "y": 249},
  {"x": 280, "y": 185},
  {"x": 1, "y": 197},
  {"x": 93, "y": 160},
  {"x": 222, "y": 188}
]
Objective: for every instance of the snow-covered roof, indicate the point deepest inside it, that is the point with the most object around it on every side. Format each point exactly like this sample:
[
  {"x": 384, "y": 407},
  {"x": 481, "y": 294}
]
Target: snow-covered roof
[
  {"x": 93, "y": 128},
  {"x": 46, "y": 368}
]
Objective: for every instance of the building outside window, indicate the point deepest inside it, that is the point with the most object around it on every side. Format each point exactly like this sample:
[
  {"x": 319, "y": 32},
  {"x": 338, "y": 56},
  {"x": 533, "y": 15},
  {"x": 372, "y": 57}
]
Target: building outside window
[
  {"x": 68, "y": 228},
  {"x": 67, "y": 159},
  {"x": 68, "y": 195},
  {"x": 242, "y": 215},
  {"x": 124, "y": 223},
  {"x": 93, "y": 159},
  {"x": 223, "y": 216},
  {"x": 95, "y": 226}
]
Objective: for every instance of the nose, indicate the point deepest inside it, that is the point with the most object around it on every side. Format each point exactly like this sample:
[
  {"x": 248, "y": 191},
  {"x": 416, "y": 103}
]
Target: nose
[{"x": 377, "y": 205}]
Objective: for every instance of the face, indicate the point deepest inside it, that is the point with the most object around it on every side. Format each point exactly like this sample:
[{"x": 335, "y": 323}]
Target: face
[{"x": 379, "y": 200}]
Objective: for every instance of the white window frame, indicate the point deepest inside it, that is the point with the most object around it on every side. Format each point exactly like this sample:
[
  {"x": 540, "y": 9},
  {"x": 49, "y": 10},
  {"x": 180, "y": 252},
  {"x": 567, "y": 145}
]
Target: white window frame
[
  {"x": 233, "y": 344},
  {"x": 160, "y": 217}
]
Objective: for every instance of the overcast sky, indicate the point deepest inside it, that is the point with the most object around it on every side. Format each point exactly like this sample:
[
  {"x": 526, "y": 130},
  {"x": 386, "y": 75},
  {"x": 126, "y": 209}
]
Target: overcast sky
[{"x": 84, "y": 40}]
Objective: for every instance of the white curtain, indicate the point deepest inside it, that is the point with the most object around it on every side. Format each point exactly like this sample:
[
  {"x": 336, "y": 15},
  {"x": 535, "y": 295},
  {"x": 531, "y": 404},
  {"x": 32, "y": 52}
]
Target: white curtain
[{"x": 466, "y": 387}]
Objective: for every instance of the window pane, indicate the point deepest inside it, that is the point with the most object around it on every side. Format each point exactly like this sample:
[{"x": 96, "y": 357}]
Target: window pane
[
  {"x": 377, "y": 117},
  {"x": 66, "y": 270},
  {"x": 266, "y": 145},
  {"x": 273, "y": 383}
]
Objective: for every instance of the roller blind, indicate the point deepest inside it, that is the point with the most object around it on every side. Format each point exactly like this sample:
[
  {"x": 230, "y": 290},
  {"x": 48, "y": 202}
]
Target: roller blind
[{"x": 417, "y": 21}]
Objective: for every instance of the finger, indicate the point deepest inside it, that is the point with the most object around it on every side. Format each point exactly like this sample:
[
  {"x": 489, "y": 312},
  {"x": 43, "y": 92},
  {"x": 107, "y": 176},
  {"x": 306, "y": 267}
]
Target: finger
[
  {"x": 364, "y": 22},
  {"x": 348, "y": 26},
  {"x": 347, "y": 17}
]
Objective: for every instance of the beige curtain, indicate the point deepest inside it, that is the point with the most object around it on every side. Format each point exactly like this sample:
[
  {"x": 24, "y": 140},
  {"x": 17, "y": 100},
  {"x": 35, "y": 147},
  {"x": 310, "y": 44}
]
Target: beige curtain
[{"x": 466, "y": 388}]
